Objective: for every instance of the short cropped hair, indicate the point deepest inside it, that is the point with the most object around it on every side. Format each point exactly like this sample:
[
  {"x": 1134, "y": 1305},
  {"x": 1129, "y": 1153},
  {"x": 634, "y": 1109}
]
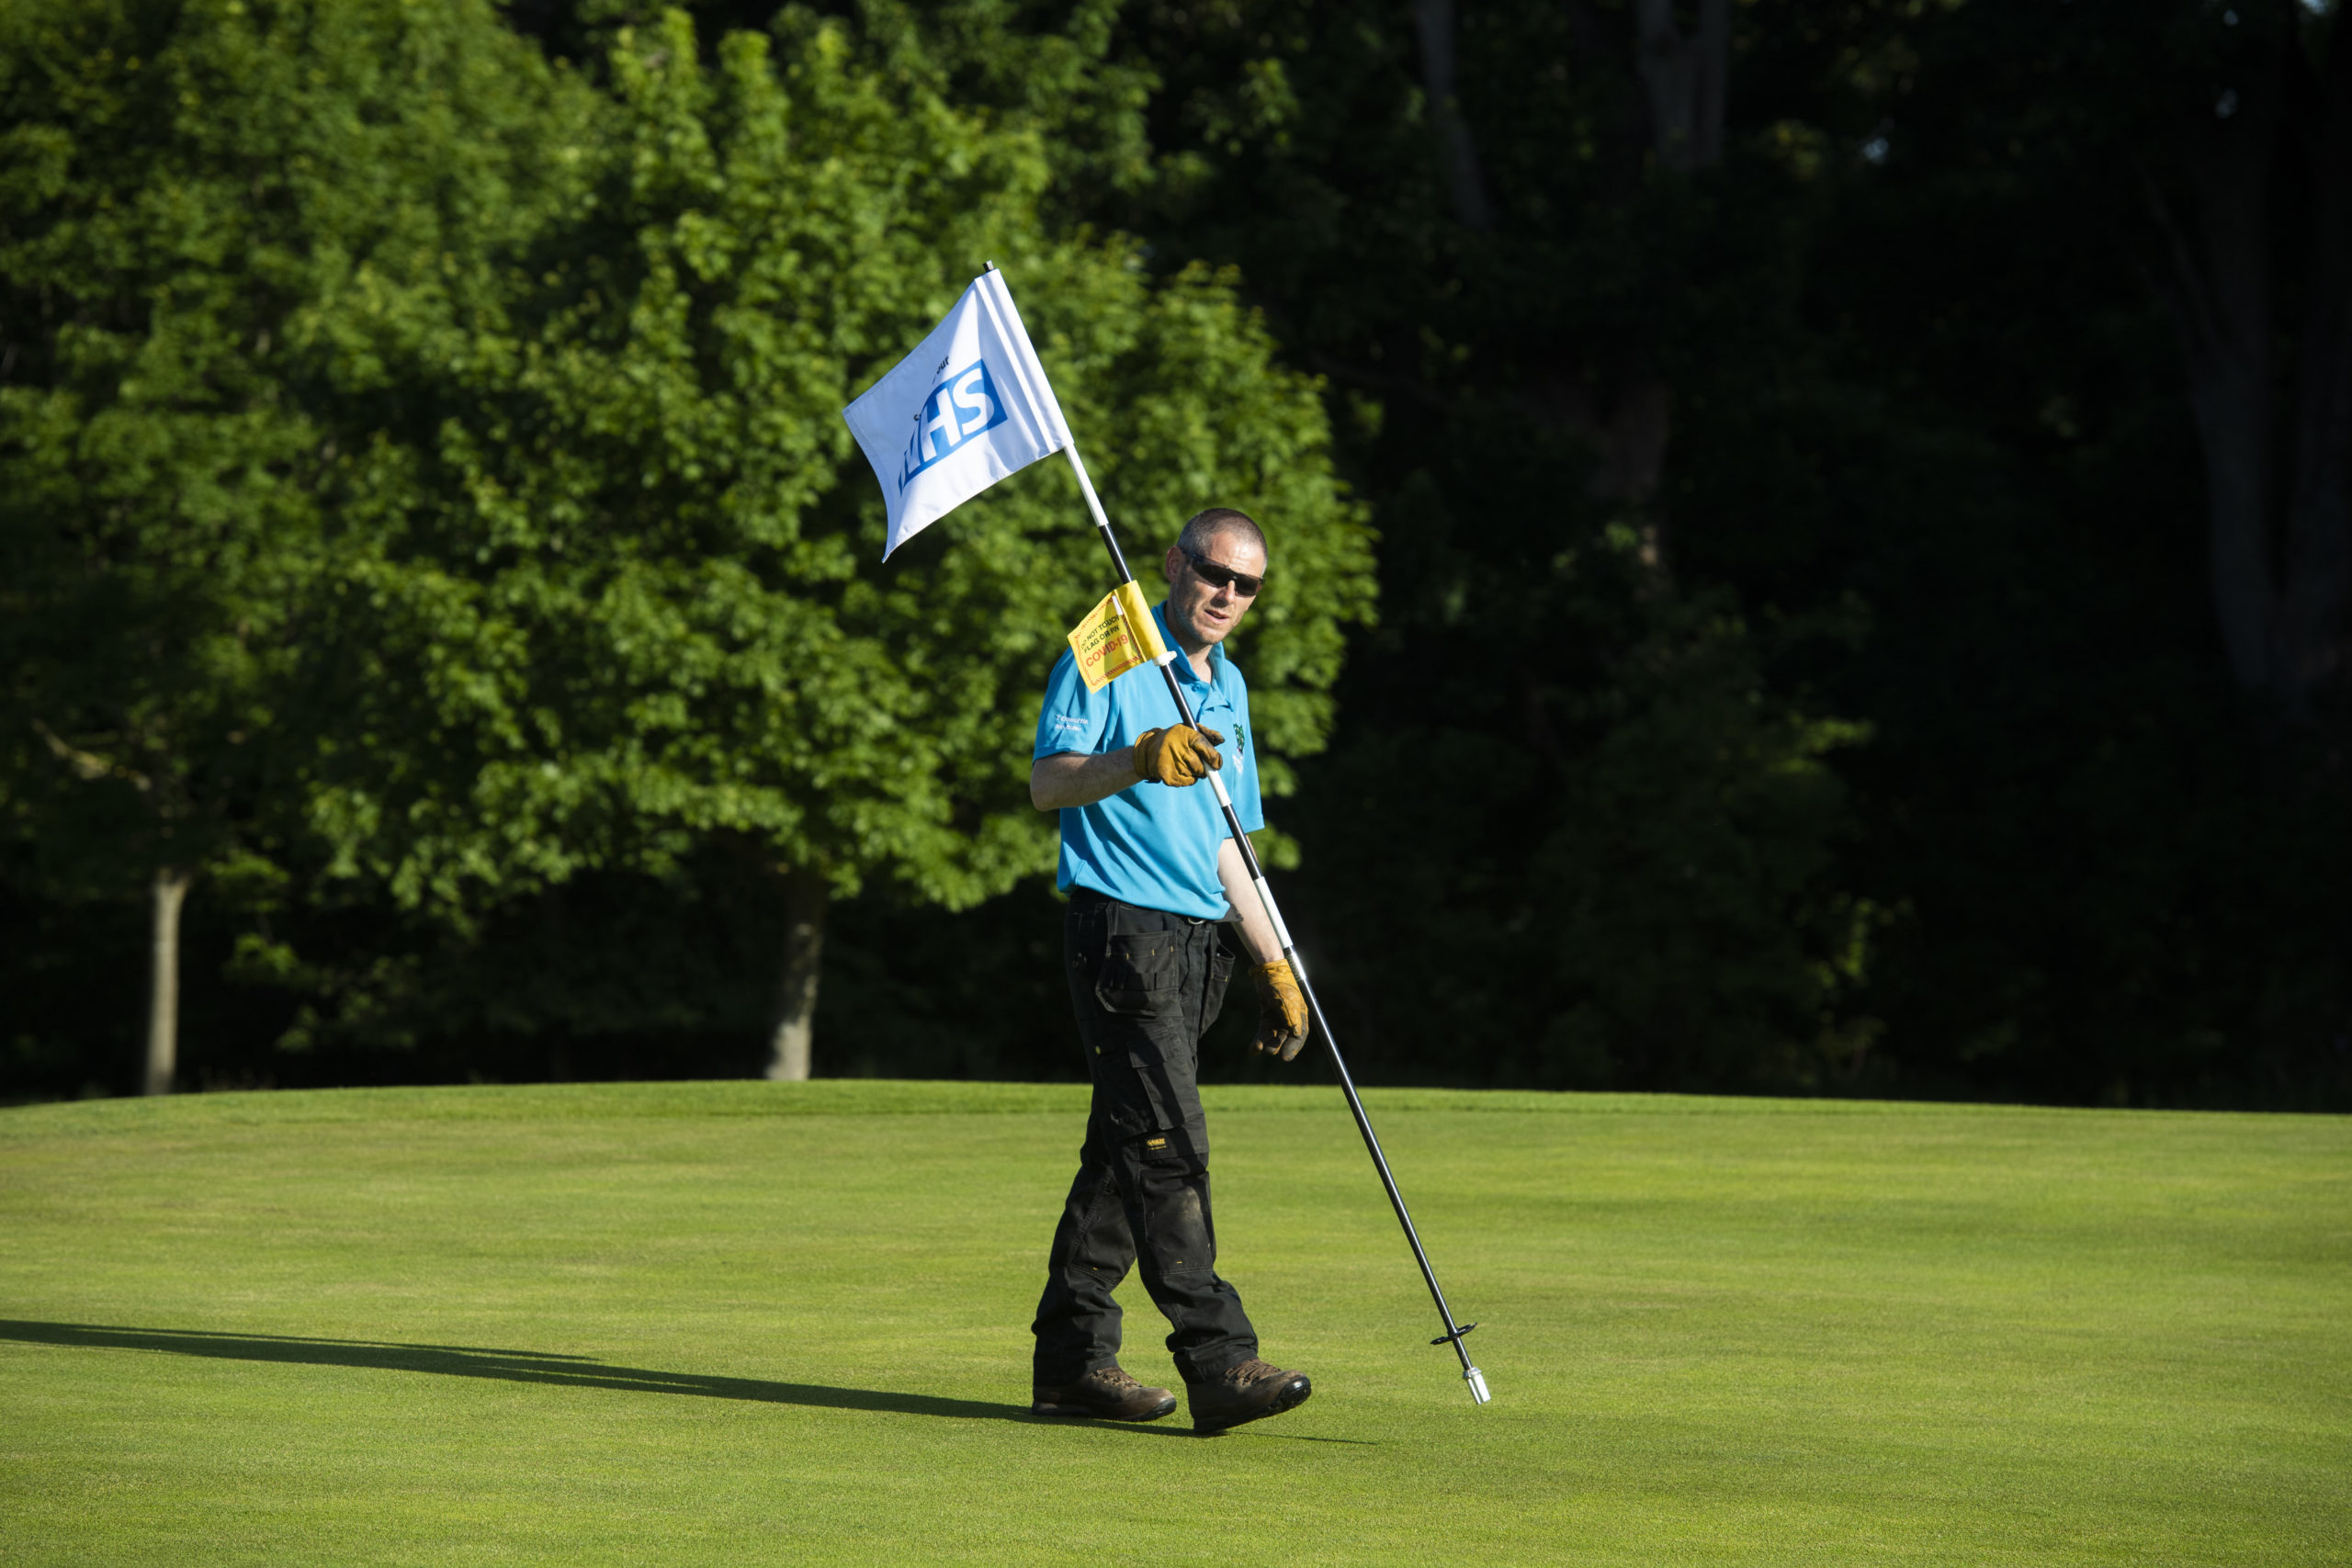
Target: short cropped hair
[{"x": 1206, "y": 528}]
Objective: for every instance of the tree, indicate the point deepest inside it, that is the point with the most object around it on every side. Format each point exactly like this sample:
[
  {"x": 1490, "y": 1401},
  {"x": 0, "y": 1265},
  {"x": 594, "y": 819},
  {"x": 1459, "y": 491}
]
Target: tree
[
  {"x": 2210, "y": 143},
  {"x": 174, "y": 427},
  {"x": 2256, "y": 102},
  {"x": 627, "y": 602},
  {"x": 2137, "y": 912},
  {"x": 1574, "y": 829}
]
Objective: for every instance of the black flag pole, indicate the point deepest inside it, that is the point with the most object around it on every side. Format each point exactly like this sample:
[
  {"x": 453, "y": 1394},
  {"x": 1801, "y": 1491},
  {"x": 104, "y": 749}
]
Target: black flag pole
[{"x": 1454, "y": 1332}]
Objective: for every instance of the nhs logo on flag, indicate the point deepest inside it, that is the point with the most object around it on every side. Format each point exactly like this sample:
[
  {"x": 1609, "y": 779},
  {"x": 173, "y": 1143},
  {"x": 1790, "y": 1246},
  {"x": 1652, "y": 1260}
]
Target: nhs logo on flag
[
  {"x": 961, "y": 407},
  {"x": 994, "y": 417}
]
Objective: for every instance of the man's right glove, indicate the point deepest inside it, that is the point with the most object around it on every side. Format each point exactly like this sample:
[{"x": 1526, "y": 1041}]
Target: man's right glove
[
  {"x": 1178, "y": 755},
  {"x": 1282, "y": 1010}
]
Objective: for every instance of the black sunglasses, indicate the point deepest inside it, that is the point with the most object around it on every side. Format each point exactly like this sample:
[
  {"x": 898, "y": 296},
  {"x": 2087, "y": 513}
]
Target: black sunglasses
[{"x": 1217, "y": 576}]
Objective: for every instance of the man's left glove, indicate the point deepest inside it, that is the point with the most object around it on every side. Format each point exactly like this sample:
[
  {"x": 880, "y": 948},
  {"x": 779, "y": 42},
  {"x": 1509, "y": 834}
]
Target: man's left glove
[
  {"x": 1282, "y": 1010},
  {"x": 1181, "y": 754}
]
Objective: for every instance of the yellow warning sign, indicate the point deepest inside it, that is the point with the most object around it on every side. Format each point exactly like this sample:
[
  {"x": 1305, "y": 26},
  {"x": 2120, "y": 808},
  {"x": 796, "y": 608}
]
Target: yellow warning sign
[{"x": 1116, "y": 635}]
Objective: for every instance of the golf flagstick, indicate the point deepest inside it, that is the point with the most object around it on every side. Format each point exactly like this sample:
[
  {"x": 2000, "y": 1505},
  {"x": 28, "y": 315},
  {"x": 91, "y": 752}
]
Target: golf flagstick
[
  {"x": 1167, "y": 659},
  {"x": 972, "y": 404}
]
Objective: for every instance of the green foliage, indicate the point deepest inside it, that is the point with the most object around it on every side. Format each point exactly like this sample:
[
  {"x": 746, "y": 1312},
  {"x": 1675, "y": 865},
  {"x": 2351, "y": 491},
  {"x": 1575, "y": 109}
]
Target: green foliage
[
  {"x": 212, "y": 216},
  {"x": 512, "y": 564},
  {"x": 1695, "y": 837},
  {"x": 430, "y": 476},
  {"x": 632, "y": 602}
]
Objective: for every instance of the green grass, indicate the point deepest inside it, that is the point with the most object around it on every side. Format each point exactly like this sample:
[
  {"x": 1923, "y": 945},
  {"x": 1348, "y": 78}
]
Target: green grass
[{"x": 737, "y": 1324}]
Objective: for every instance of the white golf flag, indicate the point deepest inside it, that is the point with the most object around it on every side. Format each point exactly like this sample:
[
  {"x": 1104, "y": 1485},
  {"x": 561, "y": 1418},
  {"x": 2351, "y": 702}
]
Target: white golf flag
[{"x": 971, "y": 405}]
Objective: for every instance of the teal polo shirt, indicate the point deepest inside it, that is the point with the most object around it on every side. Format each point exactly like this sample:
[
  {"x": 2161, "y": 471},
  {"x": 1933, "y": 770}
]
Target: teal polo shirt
[{"x": 1151, "y": 844}]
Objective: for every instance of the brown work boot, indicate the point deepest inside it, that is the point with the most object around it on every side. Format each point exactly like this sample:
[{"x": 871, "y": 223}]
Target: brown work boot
[
  {"x": 1249, "y": 1391},
  {"x": 1106, "y": 1393}
]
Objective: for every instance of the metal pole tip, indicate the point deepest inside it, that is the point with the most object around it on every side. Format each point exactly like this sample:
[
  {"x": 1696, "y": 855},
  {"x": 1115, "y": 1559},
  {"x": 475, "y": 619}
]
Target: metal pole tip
[{"x": 1477, "y": 1382}]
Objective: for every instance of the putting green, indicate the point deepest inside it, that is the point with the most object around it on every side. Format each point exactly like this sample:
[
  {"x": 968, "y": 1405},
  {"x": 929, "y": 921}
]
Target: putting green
[{"x": 737, "y": 1324}]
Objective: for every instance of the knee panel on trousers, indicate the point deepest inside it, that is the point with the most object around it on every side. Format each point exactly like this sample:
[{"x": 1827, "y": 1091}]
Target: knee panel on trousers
[{"x": 1171, "y": 1179}]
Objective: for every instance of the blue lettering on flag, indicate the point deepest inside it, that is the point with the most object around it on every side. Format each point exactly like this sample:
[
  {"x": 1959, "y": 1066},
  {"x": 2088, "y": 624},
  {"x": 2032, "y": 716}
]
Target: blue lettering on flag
[{"x": 962, "y": 406}]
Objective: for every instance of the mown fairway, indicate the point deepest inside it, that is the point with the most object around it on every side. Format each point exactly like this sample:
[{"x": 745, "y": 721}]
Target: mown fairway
[{"x": 737, "y": 1324}]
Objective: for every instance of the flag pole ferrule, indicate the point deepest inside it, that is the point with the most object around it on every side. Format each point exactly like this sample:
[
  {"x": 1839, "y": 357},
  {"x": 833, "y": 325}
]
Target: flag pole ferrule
[{"x": 1477, "y": 1382}]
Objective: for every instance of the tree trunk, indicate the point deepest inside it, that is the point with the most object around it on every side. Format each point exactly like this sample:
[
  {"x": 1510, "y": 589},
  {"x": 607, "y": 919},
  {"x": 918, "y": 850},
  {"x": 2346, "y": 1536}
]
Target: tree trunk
[
  {"x": 1457, "y": 151},
  {"x": 2315, "y": 626},
  {"x": 1633, "y": 439},
  {"x": 1686, "y": 80},
  {"x": 2219, "y": 289},
  {"x": 165, "y": 895},
  {"x": 806, "y": 894},
  {"x": 1686, "y": 77}
]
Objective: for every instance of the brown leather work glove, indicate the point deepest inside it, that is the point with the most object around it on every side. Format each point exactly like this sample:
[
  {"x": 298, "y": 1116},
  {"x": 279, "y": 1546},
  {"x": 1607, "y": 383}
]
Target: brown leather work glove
[
  {"x": 1178, "y": 755},
  {"x": 1282, "y": 1010}
]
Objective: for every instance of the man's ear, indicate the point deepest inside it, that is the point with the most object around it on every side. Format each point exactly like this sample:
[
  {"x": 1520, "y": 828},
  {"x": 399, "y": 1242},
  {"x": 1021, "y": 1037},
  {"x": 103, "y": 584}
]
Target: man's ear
[{"x": 1167, "y": 563}]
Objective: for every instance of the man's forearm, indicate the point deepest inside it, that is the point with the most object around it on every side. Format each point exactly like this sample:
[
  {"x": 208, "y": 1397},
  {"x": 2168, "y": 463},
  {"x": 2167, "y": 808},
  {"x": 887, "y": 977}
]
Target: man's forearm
[
  {"x": 1257, "y": 930},
  {"x": 1075, "y": 778}
]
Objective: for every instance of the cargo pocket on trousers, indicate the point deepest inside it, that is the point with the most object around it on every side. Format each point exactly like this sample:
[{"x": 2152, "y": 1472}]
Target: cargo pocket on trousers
[
  {"x": 1141, "y": 974},
  {"x": 1220, "y": 976}
]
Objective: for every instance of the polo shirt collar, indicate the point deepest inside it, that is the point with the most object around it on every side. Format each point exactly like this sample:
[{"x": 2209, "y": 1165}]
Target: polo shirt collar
[{"x": 1184, "y": 666}]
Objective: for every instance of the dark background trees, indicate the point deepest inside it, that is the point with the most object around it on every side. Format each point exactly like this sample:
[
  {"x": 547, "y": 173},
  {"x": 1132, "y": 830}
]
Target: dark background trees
[
  {"x": 1801, "y": 660},
  {"x": 1862, "y": 496}
]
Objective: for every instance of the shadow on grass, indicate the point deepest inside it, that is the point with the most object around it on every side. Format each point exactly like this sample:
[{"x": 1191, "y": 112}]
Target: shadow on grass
[{"x": 530, "y": 1366}]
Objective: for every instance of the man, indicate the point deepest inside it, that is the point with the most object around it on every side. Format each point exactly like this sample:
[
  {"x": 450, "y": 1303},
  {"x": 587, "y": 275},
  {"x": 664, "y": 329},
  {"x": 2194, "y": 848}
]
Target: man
[{"x": 1153, "y": 878}]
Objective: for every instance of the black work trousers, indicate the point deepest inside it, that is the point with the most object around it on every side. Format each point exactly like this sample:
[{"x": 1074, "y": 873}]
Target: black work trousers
[{"x": 1146, "y": 985}]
